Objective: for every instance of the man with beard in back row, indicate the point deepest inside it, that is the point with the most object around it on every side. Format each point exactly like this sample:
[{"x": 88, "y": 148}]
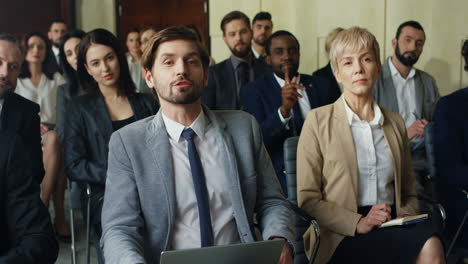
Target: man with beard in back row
[
  {"x": 408, "y": 91},
  {"x": 227, "y": 78}
]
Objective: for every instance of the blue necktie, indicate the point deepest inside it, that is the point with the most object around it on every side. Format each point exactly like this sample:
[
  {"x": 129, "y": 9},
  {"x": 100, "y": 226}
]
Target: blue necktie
[{"x": 199, "y": 184}]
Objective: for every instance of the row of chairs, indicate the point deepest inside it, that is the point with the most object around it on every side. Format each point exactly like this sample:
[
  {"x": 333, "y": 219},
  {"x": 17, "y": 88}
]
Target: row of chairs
[{"x": 75, "y": 203}]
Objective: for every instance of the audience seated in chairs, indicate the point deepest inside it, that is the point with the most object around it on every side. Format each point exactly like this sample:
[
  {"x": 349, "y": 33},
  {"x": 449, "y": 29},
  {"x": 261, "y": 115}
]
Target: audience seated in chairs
[{"x": 343, "y": 149}]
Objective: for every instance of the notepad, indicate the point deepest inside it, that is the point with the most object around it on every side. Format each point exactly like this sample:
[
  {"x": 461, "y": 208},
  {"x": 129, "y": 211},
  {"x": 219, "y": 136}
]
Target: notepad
[{"x": 408, "y": 220}]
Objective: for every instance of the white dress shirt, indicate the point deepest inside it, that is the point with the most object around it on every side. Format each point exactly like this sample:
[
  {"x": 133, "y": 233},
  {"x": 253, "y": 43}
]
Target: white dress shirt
[
  {"x": 187, "y": 226},
  {"x": 45, "y": 94},
  {"x": 406, "y": 94},
  {"x": 304, "y": 103},
  {"x": 56, "y": 52},
  {"x": 375, "y": 160},
  {"x": 135, "y": 70},
  {"x": 255, "y": 53}
]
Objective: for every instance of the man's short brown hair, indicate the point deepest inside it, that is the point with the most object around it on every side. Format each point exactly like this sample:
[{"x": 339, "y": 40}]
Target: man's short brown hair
[
  {"x": 169, "y": 34},
  {"x": 234, "y": 15}
]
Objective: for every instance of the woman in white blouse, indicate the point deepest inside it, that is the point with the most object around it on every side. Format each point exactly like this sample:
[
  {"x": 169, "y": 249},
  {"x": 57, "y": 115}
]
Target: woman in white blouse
[
  {"x": 133, "y": 56},
  {"x": 38, "y": 83},
  {"x": 354, "y": 169}
]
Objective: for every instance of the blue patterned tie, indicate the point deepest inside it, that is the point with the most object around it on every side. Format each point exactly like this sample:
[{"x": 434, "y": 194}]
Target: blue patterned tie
[{"x": 199, "y": 184}]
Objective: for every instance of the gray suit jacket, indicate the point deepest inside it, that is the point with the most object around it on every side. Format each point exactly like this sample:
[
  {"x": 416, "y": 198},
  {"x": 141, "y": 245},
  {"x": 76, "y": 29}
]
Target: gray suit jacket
[
  {"x": 139, "y": 205},
  {"x": 427, "y": 93}
]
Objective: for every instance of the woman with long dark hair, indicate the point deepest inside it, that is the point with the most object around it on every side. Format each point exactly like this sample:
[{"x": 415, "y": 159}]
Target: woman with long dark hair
[
  {"x": 68, "y": 54},
  {"x": 110, "y": 102},
  {"x": 38, "y": 82}
]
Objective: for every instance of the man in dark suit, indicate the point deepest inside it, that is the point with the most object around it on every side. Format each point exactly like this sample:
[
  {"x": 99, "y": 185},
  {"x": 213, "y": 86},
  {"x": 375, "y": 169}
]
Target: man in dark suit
[
  {"x": 17, "y": 113},
  {"x": 280, "y": 100},
  {"x": 26, "y": 231},
  {"x": 227, "y": 77},
  {"x": 451, "y": 155}
]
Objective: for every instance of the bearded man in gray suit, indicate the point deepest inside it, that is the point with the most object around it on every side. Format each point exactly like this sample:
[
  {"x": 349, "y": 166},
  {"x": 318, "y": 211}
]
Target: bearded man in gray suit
[
  {"x": 188, "y": 177},
  {"x": 408, "y": 91}
]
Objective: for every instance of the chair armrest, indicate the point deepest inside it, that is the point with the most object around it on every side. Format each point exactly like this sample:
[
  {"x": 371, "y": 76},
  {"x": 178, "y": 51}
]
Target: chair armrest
[{"x": 313, "y": 222}]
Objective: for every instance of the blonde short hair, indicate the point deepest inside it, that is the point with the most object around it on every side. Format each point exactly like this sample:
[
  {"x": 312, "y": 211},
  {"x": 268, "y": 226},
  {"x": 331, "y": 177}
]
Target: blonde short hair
[
  {"x": 354, "y": 39},
  {"x": 330, "y": 37}
]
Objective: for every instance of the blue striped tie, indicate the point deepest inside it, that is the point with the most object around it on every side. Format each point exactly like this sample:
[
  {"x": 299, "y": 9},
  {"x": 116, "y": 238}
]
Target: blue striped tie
[{"x": 199, "y": 184}]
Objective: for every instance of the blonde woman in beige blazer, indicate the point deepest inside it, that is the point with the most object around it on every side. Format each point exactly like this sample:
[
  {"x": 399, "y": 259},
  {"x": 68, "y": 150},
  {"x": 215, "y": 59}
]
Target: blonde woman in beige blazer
[{"x": 354, "y": 169}]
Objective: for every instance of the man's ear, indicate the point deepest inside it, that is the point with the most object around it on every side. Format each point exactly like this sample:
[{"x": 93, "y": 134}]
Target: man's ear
[
  {"x": 49, "y": 35},
  {"x": 268, "y": 59},
  {"x": 149, "y": 78},
  {"x": 394, "y": 43},
  {"x": 225, "y": 41}
]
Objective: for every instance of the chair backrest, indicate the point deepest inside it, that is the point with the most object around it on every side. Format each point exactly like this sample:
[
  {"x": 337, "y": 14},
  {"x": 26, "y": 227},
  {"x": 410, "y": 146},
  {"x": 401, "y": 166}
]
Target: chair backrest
[
  {"x": 290, "y": 150},
  {"x": 430, "y": 154}
]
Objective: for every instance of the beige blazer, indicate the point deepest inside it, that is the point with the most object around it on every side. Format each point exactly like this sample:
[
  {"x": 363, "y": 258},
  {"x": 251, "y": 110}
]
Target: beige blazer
[{"x": 327, "y": 174}]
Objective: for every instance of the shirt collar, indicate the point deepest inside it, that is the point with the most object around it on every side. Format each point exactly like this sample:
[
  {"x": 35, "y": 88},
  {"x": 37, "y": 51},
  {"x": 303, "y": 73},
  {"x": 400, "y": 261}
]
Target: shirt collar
[
  {"x": 394, "y": 71},
  {"x": 236, "y": 62},
  {"x": 255, "y": 53},
  {"x": 281, "y": 82},
  {"x": 174, "y": 129},
  {"x": 353, "y": 118},
  {"x": 55, "y": 50}
]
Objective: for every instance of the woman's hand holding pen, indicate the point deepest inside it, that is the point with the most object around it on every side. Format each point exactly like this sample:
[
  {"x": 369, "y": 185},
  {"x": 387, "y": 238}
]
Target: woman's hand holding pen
[{"x": 378, "y": 214}]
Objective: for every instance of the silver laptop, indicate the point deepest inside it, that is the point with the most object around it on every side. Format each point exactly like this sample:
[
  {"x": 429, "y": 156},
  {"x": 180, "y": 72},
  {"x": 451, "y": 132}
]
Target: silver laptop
[{"x": 262, "y": 252}]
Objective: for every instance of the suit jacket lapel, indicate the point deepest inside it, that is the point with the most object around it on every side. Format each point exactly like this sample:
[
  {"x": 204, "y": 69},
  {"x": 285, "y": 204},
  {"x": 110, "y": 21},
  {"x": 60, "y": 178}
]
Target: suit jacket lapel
[
  {"x": 389, "y": 97},
  {"x": 137, "y": 107},
  {"x": 102, "y": 116},
  {"x": 158, "y": 140},
  {"x": 273, "y": 91},
  {"x": 7, "y": 111},
  {"x": 229, "y": 85},
  {"x": 232, "y": 172},
  {"x": 392, "y": 142},
  {"x": 345, "y": 138},
  {"x": 419, "y": 94}
]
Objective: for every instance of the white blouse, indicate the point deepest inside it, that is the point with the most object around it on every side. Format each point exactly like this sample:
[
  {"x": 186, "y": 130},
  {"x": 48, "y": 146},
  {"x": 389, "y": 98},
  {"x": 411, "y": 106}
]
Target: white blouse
[
  {"x": 374, "y": 157},
  {"x": 135, "y": 71},
  {"x": 45, "y": 94}
]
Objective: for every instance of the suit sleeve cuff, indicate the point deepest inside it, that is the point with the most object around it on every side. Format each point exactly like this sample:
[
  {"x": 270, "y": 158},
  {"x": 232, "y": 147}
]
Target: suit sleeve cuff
[{"x": 283, "y": 120}]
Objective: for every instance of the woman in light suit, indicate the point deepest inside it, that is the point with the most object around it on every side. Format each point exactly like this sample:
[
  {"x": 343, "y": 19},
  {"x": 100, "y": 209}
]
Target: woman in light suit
[{"x": 354, "y": 169}]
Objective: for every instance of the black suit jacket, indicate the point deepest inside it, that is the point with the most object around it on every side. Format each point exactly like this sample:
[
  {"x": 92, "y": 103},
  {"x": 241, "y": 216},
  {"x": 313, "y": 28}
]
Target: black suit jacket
[
  {"x": 262, "y": 98},
  {"x": 221, "y": 92},
  {"x": 64, "y": 93},
  {"x": 26, "y": 231},
  {"x": 327, "y": 73},
  {"x": 22, "y": 117},
  {"x": 88, "y": 132}
]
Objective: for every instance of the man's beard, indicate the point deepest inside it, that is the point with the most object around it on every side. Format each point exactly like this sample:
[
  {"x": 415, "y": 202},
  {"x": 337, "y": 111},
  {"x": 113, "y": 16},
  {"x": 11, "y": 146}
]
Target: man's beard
[
  {"x": 6, "y": 88},
  {"x": 260, "y": 42},
  {"x": 188, "y": 98},
  {"x": 407, "y": 61},
  {"x": 57, "y": 45},
  {"x": 241, "y": 53}
]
